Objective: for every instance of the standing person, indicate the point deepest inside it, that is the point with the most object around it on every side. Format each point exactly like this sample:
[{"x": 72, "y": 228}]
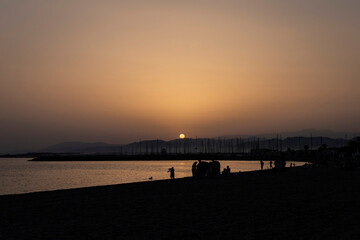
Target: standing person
[
  {"x": 228, "y": 170},
  {"x": 262, "y": 164},
  {"x": 270, "y": 164},
  {"x": 215, "y": 168},
  {"x": 202, "y": 169},
  {"x": 172, "y": 172},
  {"x": 194, "y": 169}
]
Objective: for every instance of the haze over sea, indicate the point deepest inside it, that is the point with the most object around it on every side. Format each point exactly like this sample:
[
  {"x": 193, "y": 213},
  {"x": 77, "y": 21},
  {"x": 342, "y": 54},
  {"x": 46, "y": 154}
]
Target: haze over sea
[{"x": 21, "y": 176}]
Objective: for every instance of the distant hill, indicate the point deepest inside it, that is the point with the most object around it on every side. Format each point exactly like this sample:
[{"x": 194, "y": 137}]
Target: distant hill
[
  {"x": 82, "y": 147},
  {"x": 294, "y": 140},
  {"x": 302, "y": 133},
  {"x": 101, "y": 147}
]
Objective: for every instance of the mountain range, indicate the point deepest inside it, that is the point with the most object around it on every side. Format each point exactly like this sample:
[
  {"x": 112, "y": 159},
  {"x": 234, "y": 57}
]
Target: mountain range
[
  {"x": 295, "y": 140},
  {"x": 285, "y": 139},
  {"x": 303, "y": 133}
]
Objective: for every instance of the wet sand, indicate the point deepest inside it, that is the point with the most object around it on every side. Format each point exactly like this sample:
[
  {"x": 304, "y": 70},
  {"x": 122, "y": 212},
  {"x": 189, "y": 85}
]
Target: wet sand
[{"x": 298, "y": 203}]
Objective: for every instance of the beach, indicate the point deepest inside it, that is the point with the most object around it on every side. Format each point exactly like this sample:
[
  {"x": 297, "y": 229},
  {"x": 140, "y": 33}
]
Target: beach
[{"x": 298, "y": 203}]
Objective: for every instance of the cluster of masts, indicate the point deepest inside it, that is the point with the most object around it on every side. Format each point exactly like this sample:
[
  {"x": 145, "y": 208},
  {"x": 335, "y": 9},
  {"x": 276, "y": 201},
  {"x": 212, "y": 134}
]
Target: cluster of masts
[{"x": 220, "y": 145}]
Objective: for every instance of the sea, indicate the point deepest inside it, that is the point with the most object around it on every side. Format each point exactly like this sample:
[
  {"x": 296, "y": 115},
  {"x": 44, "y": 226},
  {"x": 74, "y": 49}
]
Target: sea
[{"x": 18, "y": 175}]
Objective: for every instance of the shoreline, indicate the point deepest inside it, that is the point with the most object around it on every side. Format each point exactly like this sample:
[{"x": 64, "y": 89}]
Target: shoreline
[
  {"x": 99, "y": 186},
  {"x": 298, "y": 203},
  {"x": 42, "y": 176},
  {"x": 126, "y": 183}
]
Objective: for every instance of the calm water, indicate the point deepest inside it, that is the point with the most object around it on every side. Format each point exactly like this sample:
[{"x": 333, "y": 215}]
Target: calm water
[{"x": 21, "y": 176}]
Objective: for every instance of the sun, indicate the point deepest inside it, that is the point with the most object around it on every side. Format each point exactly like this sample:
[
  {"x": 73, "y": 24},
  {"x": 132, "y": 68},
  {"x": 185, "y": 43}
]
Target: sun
[{"x": 182, "y": 135}]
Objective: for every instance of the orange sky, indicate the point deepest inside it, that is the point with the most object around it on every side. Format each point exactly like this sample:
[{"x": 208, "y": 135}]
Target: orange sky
[{"x": 117, "y": 71}]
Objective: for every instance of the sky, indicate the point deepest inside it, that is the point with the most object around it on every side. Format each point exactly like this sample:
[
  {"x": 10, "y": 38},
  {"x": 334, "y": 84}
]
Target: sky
[{"x": 120, "y": 71}]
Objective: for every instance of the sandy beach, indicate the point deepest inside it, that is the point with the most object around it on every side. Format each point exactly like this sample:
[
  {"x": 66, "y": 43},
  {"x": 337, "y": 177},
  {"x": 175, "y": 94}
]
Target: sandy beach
[{"x": 299, "y": 203}]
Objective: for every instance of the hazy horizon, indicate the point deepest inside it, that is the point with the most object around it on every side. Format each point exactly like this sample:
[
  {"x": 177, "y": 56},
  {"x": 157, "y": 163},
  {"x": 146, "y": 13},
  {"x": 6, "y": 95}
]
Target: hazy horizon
[
  {"x": 307, "y": 133},
  {"x": 119, "y": 71}
]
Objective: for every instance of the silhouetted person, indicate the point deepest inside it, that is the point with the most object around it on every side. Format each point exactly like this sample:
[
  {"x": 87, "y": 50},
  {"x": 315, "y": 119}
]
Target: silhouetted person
[
  {"x": 199, "y": 169},
  {"x": 228, "y": 170},
  {"x": 262, "y": 164},
  {"x": 172, "y": 172},
  {"x": 203, "y": 169},
  {"x": 194, "y": 169},
  {"x": 280, "y": 164},
  {"x": 215, "y": 167},
  {"x": 270, "y": 164},
  {"x": 208, "y": 170},
  {"x": 276, "y": 164}
]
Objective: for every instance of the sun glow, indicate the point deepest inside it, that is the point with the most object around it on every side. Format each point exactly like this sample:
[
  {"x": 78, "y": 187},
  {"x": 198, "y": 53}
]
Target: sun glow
[{"x": 182, "y": 135}]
